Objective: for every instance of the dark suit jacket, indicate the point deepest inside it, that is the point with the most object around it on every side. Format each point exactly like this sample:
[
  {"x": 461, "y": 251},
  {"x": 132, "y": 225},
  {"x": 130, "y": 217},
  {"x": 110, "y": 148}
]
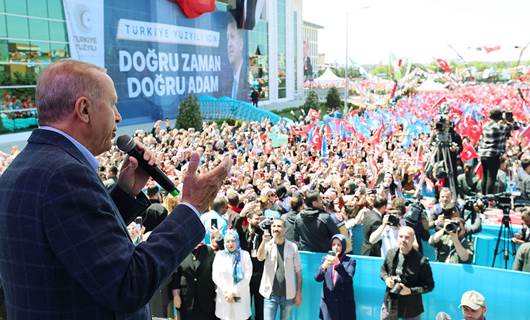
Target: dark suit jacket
[
  {"x": 245, "y": 19},
  {"x": 64, "y": 248},
  {"x": 338, "y": 302},
  {"x": 372, "y": 220},
  {"x": 197, "y": 289}
]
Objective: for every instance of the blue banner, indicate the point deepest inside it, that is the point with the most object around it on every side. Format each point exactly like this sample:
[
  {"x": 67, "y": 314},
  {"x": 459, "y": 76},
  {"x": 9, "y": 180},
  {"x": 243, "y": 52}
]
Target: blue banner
[{"x": 157, "y": 57}]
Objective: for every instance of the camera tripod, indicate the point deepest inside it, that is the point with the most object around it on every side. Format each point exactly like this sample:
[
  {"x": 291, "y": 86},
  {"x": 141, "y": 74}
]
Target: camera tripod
[
  {"x": 505, "y": 235},
  {"x": 442, "y": 146}
]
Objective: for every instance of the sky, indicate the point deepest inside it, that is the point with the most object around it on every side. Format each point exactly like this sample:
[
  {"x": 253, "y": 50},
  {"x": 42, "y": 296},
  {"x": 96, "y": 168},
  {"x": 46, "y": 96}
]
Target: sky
[{"x": 420, "y": 30}]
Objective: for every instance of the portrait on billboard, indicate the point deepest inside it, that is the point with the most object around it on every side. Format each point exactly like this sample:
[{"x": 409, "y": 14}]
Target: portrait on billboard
[{"x": 159, "y": 57}]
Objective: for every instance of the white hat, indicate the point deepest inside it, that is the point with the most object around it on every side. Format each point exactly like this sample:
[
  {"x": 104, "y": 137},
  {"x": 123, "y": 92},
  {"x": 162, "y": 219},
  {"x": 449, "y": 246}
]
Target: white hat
[{"x": 472, "y": 299}]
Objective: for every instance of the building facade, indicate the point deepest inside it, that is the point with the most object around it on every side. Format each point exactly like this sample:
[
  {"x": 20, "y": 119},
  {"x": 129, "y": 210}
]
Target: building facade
[
  {"x": 35, "y": 33},
  {"x": 310, "y": 42}
]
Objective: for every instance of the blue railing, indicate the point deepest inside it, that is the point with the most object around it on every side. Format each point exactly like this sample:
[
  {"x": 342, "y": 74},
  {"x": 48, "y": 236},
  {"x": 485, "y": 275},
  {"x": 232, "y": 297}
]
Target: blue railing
[
  {"x": 18, "y": 119},
  {"x": 506, "y": 291},
  {"x": 224, "y": 107}
]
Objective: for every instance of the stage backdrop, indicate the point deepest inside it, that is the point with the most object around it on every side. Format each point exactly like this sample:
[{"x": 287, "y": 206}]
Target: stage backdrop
[{"x": 155, "y": 55}]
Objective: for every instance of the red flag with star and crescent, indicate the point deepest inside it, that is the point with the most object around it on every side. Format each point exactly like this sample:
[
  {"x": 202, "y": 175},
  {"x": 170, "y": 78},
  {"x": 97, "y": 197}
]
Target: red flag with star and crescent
[{"x": 468, "y": 152}]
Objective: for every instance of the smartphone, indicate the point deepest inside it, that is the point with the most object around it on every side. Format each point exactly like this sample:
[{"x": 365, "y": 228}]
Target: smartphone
[
  {"x": 214, "y": 223},
  {"x": 332, "y": 253},
  {"x": 138, "y": 221}
]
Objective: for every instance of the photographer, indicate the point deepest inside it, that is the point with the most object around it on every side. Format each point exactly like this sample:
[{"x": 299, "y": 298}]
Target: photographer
[
  {"x": 468, "y": 182},
  {"x": 450, "y": 243},
  {"x": 523, "y": 236},
  {"x": 415, "y": 217},
  {"x": 407, "y": 275},
  {"x": 491, "y": 147}
]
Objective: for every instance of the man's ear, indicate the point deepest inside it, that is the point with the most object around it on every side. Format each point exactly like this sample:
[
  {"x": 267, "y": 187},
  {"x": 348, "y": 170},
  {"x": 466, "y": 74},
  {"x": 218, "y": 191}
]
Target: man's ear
[{"x": 82, "y": 109}]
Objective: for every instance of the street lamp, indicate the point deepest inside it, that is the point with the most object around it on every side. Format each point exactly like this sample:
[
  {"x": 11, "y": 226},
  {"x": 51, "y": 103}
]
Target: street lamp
[{"x": 346, "y": 92}]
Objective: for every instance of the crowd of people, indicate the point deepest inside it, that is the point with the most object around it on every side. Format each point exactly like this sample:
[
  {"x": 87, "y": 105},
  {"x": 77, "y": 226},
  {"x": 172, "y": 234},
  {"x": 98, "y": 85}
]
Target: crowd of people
[
  {"x": 310, "y": 203},
  {"x": 303, "y": 195}
]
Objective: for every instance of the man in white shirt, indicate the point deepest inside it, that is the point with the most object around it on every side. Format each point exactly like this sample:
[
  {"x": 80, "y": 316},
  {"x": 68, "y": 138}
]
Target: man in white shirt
[{"x": 282, "y": 266}]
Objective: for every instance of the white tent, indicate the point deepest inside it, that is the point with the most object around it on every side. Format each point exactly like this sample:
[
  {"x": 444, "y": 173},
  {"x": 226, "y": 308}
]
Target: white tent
[
  {"x": 329, "y": 79},
  {"x": 430, "y": 85}
]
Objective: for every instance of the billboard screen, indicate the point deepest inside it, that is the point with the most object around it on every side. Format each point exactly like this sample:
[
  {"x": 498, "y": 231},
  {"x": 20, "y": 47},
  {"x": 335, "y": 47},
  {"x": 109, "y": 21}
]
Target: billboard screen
[{"x": 157, "y": 57}]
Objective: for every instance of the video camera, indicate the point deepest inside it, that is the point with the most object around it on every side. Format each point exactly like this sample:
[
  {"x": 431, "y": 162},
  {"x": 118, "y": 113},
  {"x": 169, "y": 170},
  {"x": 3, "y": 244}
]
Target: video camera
[
  {"x": 397, "y": 285},
  {"x": 393, "y": 220},
  {"x": 414, "y": 214}
]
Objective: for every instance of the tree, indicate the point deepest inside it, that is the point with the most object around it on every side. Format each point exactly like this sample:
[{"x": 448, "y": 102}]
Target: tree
[
  {"x": 333, "y": 101},
  {"x": 311, "y": 101},
  {"x": 189, "y": 114}
]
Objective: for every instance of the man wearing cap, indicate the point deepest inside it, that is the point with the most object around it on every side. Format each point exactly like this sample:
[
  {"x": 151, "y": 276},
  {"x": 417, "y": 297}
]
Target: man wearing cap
[
  {"x": 473, "y": 305},
  {"x": 491, "y": 147}
]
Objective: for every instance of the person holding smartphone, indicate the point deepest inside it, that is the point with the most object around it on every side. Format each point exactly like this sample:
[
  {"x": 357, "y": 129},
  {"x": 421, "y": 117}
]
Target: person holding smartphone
[
  {"x": 231, "y": 273},
  {"x": 336, "y": 272}
]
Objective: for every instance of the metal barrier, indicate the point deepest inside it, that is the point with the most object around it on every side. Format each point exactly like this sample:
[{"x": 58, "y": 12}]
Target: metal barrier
[
  {"x": 18, "y": 119},
  {"x": 222, "y": 108}
]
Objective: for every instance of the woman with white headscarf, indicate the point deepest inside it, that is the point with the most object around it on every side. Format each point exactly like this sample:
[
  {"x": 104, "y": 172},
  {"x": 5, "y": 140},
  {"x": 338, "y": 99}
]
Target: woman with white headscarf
[{"x": 232, "y": 270}]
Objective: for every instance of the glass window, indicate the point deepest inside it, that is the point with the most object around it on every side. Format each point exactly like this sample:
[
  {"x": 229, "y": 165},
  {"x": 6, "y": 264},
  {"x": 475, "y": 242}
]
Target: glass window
[
  {"x": 17, "y": 6},
  {"x": 38, "y": 8},
  {"x": 19, "y": 50},
  {"x": 17, "y": 27},
  {"x": 40, "y": 52},
  {"x": 282, "y": 83},
  {"x": 258, "y": 58},
  {"x": 4, "y": 51},
  {"x": 38, "y": 29},
  {"x": 57, "y": 31},
  {"x": 55, "y": 9},
  {"x": 59, "y": 51},
  {"x": 3, "y": 28}
]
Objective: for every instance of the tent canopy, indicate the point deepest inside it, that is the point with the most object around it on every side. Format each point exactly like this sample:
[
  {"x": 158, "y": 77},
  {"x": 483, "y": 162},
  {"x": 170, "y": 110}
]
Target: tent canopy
[{"x": 329, "y": 79}]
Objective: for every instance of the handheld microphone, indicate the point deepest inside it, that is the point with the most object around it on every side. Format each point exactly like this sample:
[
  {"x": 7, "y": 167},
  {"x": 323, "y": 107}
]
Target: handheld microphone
[{"x": 126, "y": 144}]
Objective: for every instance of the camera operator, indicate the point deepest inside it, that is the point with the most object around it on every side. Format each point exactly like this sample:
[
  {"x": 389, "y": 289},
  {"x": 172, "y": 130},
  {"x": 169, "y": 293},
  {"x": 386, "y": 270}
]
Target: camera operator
[
  {"x": 451, "y": 244},
  {"x": 446, "y": 137},
  {"x": 491, "y": 147},
  {"x": 436, "y": 212},
  {"x": 407, "y": 275}
]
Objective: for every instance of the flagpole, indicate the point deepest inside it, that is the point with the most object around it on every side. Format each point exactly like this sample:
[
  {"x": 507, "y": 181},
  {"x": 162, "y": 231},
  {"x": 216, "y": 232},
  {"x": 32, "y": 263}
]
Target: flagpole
[{"x": 346, "y": 93}]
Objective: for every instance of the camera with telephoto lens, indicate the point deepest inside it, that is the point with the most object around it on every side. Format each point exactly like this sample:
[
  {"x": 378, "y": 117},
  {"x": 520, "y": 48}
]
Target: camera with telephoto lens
[
  {"x": 393, "y": 220},
  {"x": 397, "y": 285},
  {"x": 452, "y": 227}
]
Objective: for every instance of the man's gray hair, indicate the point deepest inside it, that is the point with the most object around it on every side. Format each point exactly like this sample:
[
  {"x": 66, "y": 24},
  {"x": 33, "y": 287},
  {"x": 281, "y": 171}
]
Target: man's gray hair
[{"x": 61, "y": 84}]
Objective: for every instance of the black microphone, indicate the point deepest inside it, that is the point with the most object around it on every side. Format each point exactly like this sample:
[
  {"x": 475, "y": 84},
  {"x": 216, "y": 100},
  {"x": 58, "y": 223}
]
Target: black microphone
[{"x": 127, "y": 144}]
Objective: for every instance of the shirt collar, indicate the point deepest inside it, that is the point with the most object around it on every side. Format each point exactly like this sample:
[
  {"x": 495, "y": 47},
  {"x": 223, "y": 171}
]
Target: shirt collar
[{"x": 84, "y": 151}]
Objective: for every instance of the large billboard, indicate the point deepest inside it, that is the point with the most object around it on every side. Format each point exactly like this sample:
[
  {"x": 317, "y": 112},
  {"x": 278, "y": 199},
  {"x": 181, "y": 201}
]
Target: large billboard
[{"x": 157, "y": 57}]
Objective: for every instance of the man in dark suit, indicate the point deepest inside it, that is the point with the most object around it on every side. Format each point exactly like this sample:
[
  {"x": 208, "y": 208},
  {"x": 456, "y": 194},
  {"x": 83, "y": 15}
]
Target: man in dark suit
[
  {"x": 235, "y": 48},
  {"x": 192, "y": 285},
  {"x": 65, "y": 252},
  {"x": 373, "y": 219},
  {"x": 245, "y": 14}
]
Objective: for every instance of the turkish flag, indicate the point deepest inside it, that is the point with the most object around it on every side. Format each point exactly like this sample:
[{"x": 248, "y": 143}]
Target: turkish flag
[
  {"x": 468, "y": 152},
  {"x": 444, "y": 65},
  {"x": 491, "y": 49},
  {"x": 194, "y": 8},
  {"x": 478, "y": 171},
  {"x": 470, "y": 128},
  {"x": 316, "y": 139},
  {"x": 313, "y": 114}
]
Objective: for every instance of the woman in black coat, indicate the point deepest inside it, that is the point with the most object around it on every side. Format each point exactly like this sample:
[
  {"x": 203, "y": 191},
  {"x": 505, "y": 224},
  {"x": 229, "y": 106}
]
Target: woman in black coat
[{"x": 337, "y": 272}]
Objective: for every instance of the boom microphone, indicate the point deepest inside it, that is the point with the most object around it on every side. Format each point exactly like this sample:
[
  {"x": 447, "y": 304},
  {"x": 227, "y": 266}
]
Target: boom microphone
[{"x": 126, "y": 144}]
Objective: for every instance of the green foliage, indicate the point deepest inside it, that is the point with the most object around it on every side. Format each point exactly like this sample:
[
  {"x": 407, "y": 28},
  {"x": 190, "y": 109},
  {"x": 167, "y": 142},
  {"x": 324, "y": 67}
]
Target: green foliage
[
  {"x": 333, "y": 101},
  {"x": 189, "y": 114},
  {"x": 311, "y": 101}
]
